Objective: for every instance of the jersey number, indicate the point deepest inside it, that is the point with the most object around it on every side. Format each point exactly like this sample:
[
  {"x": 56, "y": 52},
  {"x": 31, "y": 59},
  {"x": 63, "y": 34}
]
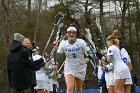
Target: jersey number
[
  {"x": 73, "y": 55},
  {"x": 125, "y": 60}
]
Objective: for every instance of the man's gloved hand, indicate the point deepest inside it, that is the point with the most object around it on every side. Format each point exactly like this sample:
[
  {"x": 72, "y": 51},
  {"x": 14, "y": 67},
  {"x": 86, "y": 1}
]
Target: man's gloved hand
[
  {"x": 39, "y": 61},
  {"x": 42, "y": 64}
]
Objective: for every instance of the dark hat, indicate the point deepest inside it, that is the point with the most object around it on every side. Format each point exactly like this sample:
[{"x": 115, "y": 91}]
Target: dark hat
[{"x": 18, "y": 37}]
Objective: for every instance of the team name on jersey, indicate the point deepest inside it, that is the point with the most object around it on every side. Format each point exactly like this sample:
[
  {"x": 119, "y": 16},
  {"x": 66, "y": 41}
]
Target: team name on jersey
[{"x": 72, "y": 49}]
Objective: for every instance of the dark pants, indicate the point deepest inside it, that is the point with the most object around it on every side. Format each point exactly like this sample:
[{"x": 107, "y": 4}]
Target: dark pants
[
  {"x": 133, "y": 89},
  {"x": 54, "y": 88},
  {"x": 28, "y": 90}
]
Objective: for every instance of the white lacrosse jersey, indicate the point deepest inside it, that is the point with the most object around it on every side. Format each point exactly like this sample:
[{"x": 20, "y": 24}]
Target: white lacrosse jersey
[
  {"x": 125, "y": 56},
  {"x": 40, "y": 74},
  {"x": 121, "y": 70},
  {"x": 74, "y": 53}
]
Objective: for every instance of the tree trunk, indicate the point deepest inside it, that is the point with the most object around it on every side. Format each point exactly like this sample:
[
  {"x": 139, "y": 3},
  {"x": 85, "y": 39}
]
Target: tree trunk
[
  {"x": 37, "y": 20},
  {"x": 101, "y": 12},
  {"x": 29, "y": 9},
  {"x": 130, "y": 34},
  {"x": 124, "y": 8},
  {"x": 137, "y": 26},
  {"x": 101, "y": 43}
]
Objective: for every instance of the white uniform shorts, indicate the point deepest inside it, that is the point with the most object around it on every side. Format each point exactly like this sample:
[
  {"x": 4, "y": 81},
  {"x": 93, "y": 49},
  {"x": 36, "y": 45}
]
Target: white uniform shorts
[
  {"x": 107, "y": 79},
  {"x": 80, "y": 75},
  {"x": 50, "y": 84},
  {"x": 41, "y": 84},
  {"x": 124, "y": 74},
  {"x": 111, "y": 79},
  {"x": 129, "y": 81}
]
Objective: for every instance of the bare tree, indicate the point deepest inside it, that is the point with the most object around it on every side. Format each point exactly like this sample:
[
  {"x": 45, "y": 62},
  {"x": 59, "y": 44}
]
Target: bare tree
[
  {"x": 37, "y": 19},
  {"x": 29, "y": 9},
  {"x": 124, "y": 7},
  {"x": 137, "y": 26}
]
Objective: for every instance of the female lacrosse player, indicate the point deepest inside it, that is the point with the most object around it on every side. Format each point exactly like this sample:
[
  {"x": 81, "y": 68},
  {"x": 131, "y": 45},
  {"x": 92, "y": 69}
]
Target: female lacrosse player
[
  {"x": 121, "y": 70},
  {"x": 75, "y": 63},
  {"x": 41, "y": 78},
  {"x": 126, "y": 59}
]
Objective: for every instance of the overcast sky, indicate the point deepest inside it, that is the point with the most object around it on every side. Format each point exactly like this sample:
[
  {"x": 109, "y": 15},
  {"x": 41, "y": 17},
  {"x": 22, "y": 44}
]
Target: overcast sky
[{"x": 107, "y": 6}]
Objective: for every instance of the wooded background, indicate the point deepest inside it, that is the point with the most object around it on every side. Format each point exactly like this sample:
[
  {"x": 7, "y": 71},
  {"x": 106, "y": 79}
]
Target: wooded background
[{"x": 34, "y": 19}]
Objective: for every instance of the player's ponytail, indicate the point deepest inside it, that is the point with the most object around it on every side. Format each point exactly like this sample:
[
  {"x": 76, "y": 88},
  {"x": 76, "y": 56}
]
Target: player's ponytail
[
  {"x": 113, "y": 39},
  {"x": 115, "y": 33}
]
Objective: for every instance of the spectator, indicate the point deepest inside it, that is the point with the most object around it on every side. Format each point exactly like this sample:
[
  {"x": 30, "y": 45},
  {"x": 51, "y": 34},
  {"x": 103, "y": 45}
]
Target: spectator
[
  {"x": 27, "y": 44},
  {"x": 19, "y": 66}
]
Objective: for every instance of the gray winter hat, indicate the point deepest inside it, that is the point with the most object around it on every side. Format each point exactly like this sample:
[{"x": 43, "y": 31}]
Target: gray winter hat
[{"x": 18, "y": 37}]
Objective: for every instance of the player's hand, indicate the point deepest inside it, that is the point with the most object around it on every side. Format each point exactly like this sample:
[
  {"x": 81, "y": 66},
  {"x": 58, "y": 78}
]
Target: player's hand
[
  {"x": 55, "y": 67},
  {"x": 82, "y": 62}
]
